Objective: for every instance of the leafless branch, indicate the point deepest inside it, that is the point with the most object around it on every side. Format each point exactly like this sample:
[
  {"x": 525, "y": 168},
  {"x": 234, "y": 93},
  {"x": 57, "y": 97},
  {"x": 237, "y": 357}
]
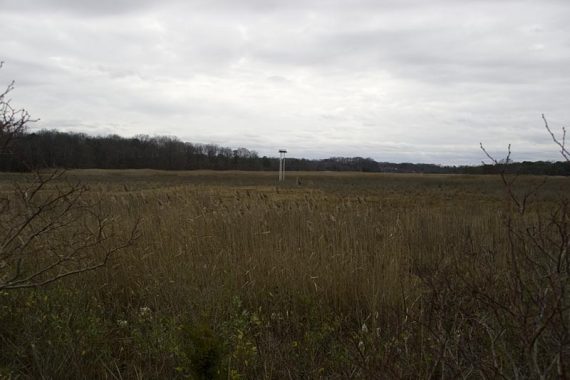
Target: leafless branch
[
  {"x": 48, "y": 230},
  {"x": 560, "y": 142}
]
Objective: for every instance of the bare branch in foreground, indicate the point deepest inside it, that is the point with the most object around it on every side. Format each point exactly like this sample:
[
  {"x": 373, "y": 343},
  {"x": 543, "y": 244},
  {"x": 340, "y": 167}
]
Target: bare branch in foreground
[
  {"x": 48, "y": 231},
  {"x": 48, "y": 228},
  {"x": 561, "y": 143}
]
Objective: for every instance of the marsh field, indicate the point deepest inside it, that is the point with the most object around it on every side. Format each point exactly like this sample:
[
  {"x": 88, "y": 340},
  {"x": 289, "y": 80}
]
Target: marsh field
[{"x": 329, "y": 275}]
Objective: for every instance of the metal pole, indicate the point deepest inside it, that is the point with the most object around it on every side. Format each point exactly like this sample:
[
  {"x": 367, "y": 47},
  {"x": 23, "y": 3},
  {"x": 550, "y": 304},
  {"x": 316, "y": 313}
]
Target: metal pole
[{"x": 282, "y": 164}]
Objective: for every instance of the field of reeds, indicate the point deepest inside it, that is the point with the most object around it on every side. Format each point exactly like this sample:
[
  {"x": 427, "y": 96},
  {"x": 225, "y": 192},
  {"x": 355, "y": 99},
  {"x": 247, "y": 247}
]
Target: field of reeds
[{"x": 329, "y": 275}]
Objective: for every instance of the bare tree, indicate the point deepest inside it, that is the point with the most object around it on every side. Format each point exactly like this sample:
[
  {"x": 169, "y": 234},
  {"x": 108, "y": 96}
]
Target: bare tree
[
  {"x": 48, "y": 228},
  {"x": 502, "y": 309},
  {"x": 561, "y": 142},
  {"x": 533, "y": 315},
  {"x": 13, "y": 121}
]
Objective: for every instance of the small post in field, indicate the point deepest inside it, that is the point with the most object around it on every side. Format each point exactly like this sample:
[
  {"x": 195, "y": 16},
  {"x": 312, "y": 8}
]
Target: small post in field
[{"x": 282, "y": 164}]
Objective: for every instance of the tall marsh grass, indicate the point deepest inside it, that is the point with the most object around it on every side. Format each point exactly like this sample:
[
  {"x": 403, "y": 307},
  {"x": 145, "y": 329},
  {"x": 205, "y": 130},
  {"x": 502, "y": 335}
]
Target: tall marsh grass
[{"x": 347, "y": 276}]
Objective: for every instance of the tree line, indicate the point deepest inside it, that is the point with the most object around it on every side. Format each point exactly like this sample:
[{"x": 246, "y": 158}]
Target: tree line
[{"x": 55, "y": 149}]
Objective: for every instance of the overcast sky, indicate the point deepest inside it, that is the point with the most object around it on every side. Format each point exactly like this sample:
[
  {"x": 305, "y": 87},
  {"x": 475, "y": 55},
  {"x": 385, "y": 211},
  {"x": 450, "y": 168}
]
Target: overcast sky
[{"x": 395, "y": 80}]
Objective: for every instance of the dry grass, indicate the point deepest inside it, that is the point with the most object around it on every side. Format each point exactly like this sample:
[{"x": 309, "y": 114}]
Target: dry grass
[{"x": 235, "y": 277}]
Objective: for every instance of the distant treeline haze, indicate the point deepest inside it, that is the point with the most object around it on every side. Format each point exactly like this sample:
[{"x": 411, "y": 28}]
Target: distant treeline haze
[{"x": 80, "y": 151}]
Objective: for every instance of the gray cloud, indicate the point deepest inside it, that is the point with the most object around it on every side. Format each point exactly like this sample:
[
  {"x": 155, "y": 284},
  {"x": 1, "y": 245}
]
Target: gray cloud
[{"x": 404, "y": 80}]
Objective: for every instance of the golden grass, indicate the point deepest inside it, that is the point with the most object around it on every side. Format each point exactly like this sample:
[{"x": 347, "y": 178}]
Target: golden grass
[{"x": 310, "y": 264}]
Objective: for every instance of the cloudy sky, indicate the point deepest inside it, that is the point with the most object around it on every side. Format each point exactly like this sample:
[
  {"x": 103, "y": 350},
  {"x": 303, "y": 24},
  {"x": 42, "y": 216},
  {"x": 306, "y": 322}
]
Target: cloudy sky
[{"x": 395, "y": 80}]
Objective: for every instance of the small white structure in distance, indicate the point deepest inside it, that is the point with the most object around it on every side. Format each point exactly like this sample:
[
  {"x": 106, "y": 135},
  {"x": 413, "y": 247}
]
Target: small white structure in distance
[{"x": 282, "y": 164}]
